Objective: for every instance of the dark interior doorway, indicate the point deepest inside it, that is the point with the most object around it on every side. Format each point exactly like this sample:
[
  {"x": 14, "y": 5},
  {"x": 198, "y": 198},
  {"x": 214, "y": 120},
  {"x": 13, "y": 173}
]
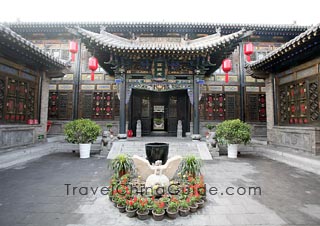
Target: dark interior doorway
[{"x": 159, "y": 112}]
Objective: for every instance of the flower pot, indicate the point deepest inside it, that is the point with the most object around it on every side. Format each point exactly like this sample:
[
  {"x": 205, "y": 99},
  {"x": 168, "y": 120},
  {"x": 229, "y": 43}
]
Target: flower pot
[
  {"x": 200, "y": 203},
  {"x": 232, "y": 151},
  {"x": 114, "y": 202},
  {"x": 158, "y": 217},
  {"x": 85, "y": 150},
  {"x": 131, "y": 213},
  {"x": 184, "y": 212},
  {"x": 144, "y": 215},
  {"x": 172, "y": 215},
  {"x": 193, "y": 208},
  {"x": 121, "y": 209}
]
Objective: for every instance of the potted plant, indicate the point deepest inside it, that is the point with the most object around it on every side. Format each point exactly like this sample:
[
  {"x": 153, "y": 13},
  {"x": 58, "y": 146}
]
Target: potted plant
[
  {"x": 209, "y": 127},
  {"x": 158, "y": 211},
  {"x": 121, "y": 204},
  {"x": 191, "y": 165},
  {"x": 131, "y": 207},
  {"x": 82, "y": 132},
  {"x": 184, "y": 208},
  {"x": 233, "y": 133},
  {"x": 165, "y": 198},
  {"x": 192, "y": 204},
  {"x": 172, "y": 210},
  {"x": 143, "y": 211},
  {"x": 122, "y": 165}
]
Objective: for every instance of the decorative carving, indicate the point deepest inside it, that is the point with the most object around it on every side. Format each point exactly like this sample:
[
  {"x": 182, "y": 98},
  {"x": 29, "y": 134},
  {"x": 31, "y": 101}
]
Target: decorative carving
[{"x": 314, "y": 101}]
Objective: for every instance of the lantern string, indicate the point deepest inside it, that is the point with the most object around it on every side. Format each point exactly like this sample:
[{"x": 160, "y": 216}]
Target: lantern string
[
  {"x": 72, "y": 57},
  {"x": 248, "y": 58},
  {"x": 227, "y": 78}
]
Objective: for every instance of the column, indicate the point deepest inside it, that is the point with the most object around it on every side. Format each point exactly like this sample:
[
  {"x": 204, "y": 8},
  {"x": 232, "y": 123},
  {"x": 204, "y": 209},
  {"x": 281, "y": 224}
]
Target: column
[
  {"x": 43, "y": 106},
  {"x": 242, "y": 81},
  {"x": 122, "y": 123},
  {"x": 76, "y": 80},
  {"x": 270, "y": 109},
  {"x": 196, "y": 134}
]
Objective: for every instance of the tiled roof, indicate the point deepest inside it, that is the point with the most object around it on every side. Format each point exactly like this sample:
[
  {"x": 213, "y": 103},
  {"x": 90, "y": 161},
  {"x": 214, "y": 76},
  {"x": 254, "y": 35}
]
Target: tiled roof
[
  {"x": 293, "y": 48},
  {"x": 111, "y": 41},
  {"x": 10, "y": 39},
  {"x": 165, "y": 27}
]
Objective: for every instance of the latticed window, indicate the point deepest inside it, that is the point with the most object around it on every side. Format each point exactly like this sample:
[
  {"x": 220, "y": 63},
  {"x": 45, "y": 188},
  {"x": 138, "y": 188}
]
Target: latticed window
[{"x": 299, "y": 102}]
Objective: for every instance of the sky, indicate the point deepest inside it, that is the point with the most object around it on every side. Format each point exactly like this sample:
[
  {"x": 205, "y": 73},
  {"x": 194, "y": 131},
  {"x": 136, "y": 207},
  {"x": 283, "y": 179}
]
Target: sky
[{"x": 223, "y": 11}]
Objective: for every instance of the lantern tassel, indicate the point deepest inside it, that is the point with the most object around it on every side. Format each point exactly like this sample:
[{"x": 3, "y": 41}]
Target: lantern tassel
[
  {"x": 92, "y": 75},
  {"x": 227, "y": 78},
  {"x": 248, "y": 58},
  {"x": 73, "y": 57}
]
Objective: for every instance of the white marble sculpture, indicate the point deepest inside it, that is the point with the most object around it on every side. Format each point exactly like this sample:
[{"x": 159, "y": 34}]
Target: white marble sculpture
[
  {"x": 157, "y": 178},
  {"x": 179, "y": 129},
  {"x": 144, "y": 169},
  {"x": 138, "y": 130}
]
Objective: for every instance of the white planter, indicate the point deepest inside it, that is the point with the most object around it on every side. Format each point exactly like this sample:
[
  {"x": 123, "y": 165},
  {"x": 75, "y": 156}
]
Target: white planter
[
  {"x": 85, "y": 150},
  {"x": 232, "y": 151}
]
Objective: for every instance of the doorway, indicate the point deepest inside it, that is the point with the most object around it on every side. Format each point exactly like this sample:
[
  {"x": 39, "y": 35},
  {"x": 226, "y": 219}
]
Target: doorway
[{"x": 159, "y": 112}]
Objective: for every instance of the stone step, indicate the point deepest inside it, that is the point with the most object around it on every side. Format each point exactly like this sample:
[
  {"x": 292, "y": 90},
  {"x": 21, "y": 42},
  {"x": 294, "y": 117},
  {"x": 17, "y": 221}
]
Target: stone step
[{"x": 297, "y": 159}]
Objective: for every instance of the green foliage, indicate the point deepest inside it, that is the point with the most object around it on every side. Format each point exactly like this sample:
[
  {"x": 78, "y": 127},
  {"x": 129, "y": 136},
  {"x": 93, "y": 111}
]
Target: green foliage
[
  {"x": 183, "y": 204},
  {"x": 122, "y": 164},
  {"x": 210, "y": 126},
  {"x": 173, "y": 206},
  {"x": 191, "y": 165},
  {"x": 233, "y": 132},
  {"x": 81, "y": 131},
  {"x": 109, "y": 125}
]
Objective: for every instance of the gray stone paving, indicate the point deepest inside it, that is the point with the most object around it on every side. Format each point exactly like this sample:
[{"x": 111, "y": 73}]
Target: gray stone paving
[
  {"x": 177, "y": 146},
  {"x": 34, "y": 194}
]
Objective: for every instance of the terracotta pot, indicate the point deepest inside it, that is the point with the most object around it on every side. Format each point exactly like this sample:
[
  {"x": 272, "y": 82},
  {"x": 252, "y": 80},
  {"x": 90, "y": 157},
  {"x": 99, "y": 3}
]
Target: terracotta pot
[
  {"x": 172, "y": 215},
  {"x": 144, "y": 215},
  {"x": 200, "y": 203},
  {"x": 121, "y": 209},
  {"x": 114, "y": 202},
  {"x": 184, "y": 212},
  {"x": 193, "y": 208},
  {"x": 131, "y": 213},
  {"x": 158, "y": 217}
]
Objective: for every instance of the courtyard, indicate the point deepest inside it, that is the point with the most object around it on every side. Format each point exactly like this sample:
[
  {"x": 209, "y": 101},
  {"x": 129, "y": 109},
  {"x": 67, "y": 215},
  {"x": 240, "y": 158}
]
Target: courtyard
[{"x": 35, "y": 193}]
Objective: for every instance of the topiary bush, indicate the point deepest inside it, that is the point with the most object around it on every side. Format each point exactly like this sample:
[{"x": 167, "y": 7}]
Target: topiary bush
[
  {"x": 233, "y": 132},
  {"x": 81, "y": 131}
]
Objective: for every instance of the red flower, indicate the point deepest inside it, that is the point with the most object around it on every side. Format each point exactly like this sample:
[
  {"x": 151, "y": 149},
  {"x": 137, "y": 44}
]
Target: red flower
[
  {"x": 161, "y": 205},
  {"x": 135, "y": 199},
  {"x": 152, "y": 198}
]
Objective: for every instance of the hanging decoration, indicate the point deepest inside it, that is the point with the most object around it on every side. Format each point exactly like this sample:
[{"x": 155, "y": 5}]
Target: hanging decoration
[
  {"x": 248, "y": 50},
  {"x": 73, "y": 48},
  {"x": 226, "y": 67},
  {"x": 93, "y": 65}
]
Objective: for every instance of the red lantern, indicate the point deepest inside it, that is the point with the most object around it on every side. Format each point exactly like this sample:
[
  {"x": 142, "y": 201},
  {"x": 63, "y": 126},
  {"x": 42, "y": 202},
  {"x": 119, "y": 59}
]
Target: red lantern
[
  {"x": 226, "y": 67},
  {"x": 93, "y": 65},
  {"x": 130, "y": 133},
  {"x": 248, "y": 50},
  {"x": 73, "y": 48}
]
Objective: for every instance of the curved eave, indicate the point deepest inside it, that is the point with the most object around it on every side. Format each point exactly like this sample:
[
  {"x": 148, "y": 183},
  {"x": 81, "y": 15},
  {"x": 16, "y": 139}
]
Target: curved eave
[
  {"x": 16, "y": 47},
  {"x": 200, "y": 46},
  {"x": 159, "y": 27},
  {"x": 301, "y": 48}
]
